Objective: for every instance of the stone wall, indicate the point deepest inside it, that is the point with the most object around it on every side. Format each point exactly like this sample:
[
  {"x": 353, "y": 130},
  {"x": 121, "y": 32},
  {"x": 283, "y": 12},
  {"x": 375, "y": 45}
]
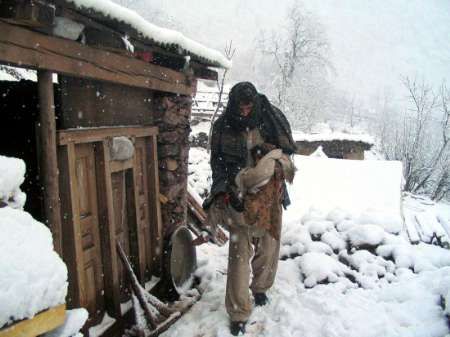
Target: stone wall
[{"x": 172, "y": 116}]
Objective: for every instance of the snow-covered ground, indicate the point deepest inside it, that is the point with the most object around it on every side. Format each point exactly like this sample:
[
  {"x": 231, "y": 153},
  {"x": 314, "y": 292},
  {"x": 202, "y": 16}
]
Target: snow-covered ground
[{"x": 340, "y": 274}]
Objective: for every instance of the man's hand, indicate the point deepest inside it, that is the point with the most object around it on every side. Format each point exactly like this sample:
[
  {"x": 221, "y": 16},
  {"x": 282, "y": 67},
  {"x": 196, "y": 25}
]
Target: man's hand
[
  {"x": 222, "y": 200},
  {"x": 202, "y": 238}
]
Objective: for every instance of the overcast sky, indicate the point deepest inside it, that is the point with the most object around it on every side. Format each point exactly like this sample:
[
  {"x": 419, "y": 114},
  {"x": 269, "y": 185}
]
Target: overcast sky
[{"x": 373, "y": 43}]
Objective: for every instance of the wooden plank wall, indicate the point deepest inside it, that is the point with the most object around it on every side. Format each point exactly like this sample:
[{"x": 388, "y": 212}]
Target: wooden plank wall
[{"x": 88, "y": 103}]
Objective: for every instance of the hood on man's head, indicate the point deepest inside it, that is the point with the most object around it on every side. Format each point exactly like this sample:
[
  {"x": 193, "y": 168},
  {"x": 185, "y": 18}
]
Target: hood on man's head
[{"x": 243, "y": 92}]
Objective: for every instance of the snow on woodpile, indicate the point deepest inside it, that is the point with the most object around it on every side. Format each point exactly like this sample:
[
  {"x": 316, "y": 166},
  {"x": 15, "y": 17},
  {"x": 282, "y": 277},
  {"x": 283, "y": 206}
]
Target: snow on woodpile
[
  {"x": 12, "y": 175},
  {"x": 33, "y": 277},
  {"x": 426, "y": 221},
  {"x": 151, "y": 31}
]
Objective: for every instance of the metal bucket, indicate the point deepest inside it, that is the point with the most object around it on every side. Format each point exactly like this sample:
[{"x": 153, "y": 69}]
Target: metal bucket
[
  {"x": 182, "y": 259},
  {"x": 179, "y": 265}
]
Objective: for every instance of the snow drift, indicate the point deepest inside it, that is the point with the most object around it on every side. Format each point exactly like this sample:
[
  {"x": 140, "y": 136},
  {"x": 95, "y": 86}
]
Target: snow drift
[
  {"x": 355, "y": 186},
  {"x": 33, "y": 277}
]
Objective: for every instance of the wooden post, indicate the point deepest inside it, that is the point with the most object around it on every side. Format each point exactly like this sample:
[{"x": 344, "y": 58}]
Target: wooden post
[{"x": 48, "y": 159}]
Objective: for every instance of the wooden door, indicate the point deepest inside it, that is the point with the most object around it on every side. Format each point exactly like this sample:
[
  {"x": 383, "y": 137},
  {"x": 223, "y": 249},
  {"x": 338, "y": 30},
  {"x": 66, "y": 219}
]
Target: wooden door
[
  {"x": 142, "y": 206},
  {"x": 122, "y": 224},
  {"x": 86, "y": 202}
]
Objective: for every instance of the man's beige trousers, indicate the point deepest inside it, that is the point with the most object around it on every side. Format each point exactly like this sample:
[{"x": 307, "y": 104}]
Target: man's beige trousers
[{"x": 248, "y": 253}]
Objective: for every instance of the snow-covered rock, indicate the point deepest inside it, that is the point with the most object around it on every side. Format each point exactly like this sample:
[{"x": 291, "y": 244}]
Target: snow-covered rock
[
  {"x": 337, "y": 215},
  {"x": 345, "y": 225},
  {"x": 12, "y": 175},
  {"x": 334, "y": 240},
  {"x": 365, "y": 235},
  {"x": 317, "y": 228},
  {"x": 319, "y": 247},
  {"x": 318, "y": 267}
]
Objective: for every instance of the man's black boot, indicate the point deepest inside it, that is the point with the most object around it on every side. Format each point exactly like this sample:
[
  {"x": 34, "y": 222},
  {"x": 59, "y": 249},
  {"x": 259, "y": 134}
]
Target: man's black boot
[
  {"x": 260, "y": 299},
  {"x": 237, "y": 327}
]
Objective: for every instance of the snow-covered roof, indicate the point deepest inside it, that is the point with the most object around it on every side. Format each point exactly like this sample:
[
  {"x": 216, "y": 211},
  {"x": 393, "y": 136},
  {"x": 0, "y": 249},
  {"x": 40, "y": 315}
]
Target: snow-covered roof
[
  {"x": 332, "y": 136},
  {"x": 161, "y": 36}
]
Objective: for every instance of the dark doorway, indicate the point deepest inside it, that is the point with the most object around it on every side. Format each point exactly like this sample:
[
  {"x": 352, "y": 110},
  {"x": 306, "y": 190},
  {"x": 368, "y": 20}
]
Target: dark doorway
[{"x": 19, "y": 118}]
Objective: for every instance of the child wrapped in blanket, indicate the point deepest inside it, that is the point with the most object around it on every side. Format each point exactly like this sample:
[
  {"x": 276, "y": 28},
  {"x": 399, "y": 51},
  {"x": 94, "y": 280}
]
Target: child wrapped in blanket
[{"x": 261, "y": 188}]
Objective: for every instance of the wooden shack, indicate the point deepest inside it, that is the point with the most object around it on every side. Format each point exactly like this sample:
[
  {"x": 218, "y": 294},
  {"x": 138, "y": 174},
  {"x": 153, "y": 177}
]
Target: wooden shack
[
  {"x": 103, "y": 78},
  {"x": 335, "y": 144}
]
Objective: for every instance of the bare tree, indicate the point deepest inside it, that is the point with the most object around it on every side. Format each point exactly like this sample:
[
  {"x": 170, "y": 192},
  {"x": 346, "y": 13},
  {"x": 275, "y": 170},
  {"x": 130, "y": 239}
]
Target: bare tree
[
  {"x": 443, "y": 185},
  {"x": 420, "y": 139},
  {"x": 408, "y": 140},
  {"x": 298, "y": 45},
  {"x": 229, "y": 53},
  {"x": 440, "y": 156},
  {"x": 442, "y": 160}
]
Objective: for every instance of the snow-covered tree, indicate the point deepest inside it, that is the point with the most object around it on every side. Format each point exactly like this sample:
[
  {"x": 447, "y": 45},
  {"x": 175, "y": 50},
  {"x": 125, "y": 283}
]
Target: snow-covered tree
[
  {"x": 419, "y": 137},
  {"x": 295, "y": 66}
]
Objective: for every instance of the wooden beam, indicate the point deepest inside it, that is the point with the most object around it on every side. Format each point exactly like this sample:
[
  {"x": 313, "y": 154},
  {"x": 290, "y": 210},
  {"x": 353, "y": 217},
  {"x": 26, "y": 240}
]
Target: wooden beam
[
  {"x": 43, "y": 322},
  {"x": 25, "y": 48},
  {"x": 89, "y": 135},
  {"x": 49, "y": 160}
]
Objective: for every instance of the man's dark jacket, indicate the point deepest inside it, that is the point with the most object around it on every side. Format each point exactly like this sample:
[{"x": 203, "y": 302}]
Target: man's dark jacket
[{"x": 228, "y": 141}]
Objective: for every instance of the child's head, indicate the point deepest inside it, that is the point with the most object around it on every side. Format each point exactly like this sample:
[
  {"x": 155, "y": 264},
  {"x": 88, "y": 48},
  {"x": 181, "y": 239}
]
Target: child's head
[{"x": 261, "y": 150}]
